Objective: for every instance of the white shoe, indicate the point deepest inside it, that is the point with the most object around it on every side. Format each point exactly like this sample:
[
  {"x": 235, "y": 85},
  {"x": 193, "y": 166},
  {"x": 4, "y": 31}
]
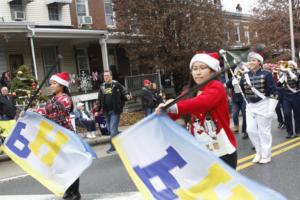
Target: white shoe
[
  {"x": 93, "y": 134},
  {"x": 265, "y": 160},
  {"x": 256, "y": 159},
  {"x": 89, "y": 135}
]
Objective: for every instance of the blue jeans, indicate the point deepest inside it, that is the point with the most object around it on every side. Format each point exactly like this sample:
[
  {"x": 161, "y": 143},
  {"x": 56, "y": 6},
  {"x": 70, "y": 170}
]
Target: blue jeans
[
  {"x": 112, "y": 120},
  {"x": 236, "y": 108},
  {"x": 148, "y": 111}
]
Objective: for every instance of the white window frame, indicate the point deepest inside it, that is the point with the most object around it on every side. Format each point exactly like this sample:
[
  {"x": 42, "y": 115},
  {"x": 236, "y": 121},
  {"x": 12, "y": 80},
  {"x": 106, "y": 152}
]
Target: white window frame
[
  {"x": 247, "y": 36},
  {"x": 59, "y": 12},
  {"x": 16, "y": 8},
  {"x": 112, "y": 57},
  {"x": 83, "y": 56},
  {"x": 86, "y": 4},
  {"x": 109, "y": 15},
  {"x": 237, "y": 31},
  {"x": 48, "y": 66},
  {"x": 228, "y": 36}
]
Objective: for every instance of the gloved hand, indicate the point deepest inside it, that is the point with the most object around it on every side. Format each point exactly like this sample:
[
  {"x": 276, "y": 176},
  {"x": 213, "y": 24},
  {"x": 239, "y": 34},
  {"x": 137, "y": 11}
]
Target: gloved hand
[
  {"x": 21, "y": 114},
  {"x": 235, "y": 82}
]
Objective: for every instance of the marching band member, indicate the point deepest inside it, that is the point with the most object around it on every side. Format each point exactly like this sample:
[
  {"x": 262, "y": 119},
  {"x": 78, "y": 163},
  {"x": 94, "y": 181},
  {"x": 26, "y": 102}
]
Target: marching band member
[
  {"x": 208, "y": 109},
  {"x": 289, "y": 83},
  {"x": 58, "y": 109},
  {"x": 238, "y": 104},
  {"x": 259, "y": 85}
]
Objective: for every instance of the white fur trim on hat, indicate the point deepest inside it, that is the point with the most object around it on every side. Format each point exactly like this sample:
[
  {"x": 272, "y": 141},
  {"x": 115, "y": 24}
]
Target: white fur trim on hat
[
  {"x": 79, "y": 105},
  {"x": 291, "y": 62},
  {"x": 59, "y": 80},
  {"x": 211, "y": 62},
  {"x": 256, "y": 56}
]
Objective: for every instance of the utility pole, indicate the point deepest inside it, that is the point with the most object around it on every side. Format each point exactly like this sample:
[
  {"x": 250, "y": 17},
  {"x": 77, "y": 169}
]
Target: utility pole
[{"x": 292, "y": 31}]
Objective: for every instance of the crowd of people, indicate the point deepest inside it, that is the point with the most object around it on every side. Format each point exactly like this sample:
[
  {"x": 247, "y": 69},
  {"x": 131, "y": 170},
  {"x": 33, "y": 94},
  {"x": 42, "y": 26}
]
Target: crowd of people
[
  {"x": 284, "y": 78},
  {"x": 258, "y": 90}
]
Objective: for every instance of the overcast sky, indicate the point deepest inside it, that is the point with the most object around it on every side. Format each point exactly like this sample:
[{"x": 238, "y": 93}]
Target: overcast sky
[{"x": 230, "y": 5}]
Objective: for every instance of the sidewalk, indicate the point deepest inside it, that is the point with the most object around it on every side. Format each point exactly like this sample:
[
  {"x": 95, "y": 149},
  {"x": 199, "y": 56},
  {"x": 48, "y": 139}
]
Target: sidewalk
[{"x": 99, "y": 140}]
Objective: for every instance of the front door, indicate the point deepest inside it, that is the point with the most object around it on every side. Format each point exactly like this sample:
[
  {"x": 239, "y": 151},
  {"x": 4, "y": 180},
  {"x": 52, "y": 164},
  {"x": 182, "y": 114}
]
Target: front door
[{"x": 15, "y": 61}]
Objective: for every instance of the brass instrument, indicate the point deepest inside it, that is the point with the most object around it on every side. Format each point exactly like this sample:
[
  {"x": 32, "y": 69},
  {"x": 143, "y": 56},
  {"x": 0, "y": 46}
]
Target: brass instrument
[{"x": 284, "y": 66}]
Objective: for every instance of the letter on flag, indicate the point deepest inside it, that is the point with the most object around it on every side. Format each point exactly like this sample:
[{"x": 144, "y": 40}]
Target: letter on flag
[
  {"x": 50, "y": 153},
  {"x": 166, "y": 162}
]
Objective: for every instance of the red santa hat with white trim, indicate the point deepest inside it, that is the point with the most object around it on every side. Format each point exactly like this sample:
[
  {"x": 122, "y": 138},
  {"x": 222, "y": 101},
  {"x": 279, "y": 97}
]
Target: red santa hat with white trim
[
  {"x": 210, "y": 59},
  {"x": 61, "y": 78}
]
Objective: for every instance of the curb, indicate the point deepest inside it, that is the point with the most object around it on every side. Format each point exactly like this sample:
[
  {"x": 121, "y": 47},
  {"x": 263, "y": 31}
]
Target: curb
[{"x": 93, "y": 142}]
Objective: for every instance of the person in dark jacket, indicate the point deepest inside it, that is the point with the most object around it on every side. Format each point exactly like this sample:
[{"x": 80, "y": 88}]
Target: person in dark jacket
[
  {"x": 5, "y": 79},
  {"x": 7, "y": 105},
  {"x": 238, "y": 104},
  {"x": 148, "y": 98},
  {"x": 112, "y": 96}
]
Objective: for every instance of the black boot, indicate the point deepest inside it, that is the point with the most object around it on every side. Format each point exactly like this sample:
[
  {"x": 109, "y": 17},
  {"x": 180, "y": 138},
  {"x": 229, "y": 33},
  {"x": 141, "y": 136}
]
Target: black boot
[
  {"x": 72, "y": 193},
  {"x": 67, "y": 195},
  {"x": 245, "y": 136},
  {"x": 76, "y": 196}
]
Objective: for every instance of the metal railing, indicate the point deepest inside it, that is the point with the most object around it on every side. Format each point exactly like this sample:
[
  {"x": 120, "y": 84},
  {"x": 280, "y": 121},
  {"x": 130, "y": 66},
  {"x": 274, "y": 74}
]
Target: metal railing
[{"x": 137, "y": 82}]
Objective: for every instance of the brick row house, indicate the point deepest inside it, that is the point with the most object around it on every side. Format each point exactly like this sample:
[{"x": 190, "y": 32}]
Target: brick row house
[{"x": 34, "y": 32}]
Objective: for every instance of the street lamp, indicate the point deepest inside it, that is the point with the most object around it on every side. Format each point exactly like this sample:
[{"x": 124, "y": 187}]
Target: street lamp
[{"x": 292, "y": 31}]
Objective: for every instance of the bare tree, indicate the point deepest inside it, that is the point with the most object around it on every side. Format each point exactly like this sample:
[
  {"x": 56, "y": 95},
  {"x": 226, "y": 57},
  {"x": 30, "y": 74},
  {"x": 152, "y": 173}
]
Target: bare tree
[
  {"x": 165, "y": 34},
  {"x": 271, "y": 22}
]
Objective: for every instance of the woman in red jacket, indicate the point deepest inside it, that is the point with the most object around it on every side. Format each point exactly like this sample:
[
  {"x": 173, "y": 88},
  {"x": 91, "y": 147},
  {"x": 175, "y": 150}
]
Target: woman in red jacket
[
  {"x": 58, "y": 109},
  {"x": 208, "y": 110}
]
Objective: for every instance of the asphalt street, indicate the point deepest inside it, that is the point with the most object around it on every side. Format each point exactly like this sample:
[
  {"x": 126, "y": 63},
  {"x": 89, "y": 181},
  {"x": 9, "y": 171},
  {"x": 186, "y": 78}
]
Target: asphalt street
[{"x": 107, "y": 178}]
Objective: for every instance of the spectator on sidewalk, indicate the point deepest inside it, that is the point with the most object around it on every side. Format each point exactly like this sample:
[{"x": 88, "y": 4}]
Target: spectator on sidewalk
[
  {"x": 5, "y": 79},
  {"x": 112, "y": 96},
  {"x": 7, "y": 105},
  {"x": 148, "y": 98},
  {"x": 83, "y": 118},
  {"x": 157, "y": 94},
  {"x": 100, "y": 119}
]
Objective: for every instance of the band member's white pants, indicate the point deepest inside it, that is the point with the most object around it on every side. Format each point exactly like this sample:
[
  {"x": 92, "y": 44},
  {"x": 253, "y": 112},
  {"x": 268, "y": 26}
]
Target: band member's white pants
[
  {"x": 259, "y": 127},
  {"x": 259, "y": 132}
]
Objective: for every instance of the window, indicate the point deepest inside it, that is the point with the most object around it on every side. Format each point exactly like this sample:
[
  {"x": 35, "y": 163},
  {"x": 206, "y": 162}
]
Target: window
[
  {"x": 82, "y": 8},
  {"x": 49, "y": 55},
  {"x": 109, "y": 15},
  {"x": 17, "y": 10},
  {"x": 83, "y": 63},
  {"x": 228, "y": 36},
  {"x": 54, "y": 12},
  {"x": 247, "y": 37},
  {"x": 237, "y": 33}
]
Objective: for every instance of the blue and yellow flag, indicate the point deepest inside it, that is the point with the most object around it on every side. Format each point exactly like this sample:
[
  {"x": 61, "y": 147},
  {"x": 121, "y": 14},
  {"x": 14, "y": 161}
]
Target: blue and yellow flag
[
  {"x": 166, "y": 162},
  {"x": 50, "y": 153}
]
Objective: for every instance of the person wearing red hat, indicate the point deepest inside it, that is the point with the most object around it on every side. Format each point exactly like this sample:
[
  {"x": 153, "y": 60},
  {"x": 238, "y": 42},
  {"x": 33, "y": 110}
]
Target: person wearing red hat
[
  {"x": 207, "y": 109},
  {"x": 147, "y": 98},
  {"x": 58, "y": 109}
]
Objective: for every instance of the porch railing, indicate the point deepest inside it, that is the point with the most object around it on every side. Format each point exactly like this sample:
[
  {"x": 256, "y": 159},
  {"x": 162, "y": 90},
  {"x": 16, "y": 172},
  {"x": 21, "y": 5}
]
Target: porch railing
[{"x": 136, "y": 82}]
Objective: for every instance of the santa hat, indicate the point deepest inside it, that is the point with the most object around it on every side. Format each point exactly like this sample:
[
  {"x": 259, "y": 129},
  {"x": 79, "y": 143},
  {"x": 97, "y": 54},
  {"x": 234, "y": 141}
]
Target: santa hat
[
  {"x": 79, "y": 104},
  {"x": 253, "y": 55},
  {"x": 61, "y": 78},
  {"x": 147, "y": 82},
  {"x": 211, "y": 60}
]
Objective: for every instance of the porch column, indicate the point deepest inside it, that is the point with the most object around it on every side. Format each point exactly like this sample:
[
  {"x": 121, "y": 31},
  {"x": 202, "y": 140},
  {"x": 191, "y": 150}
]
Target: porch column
[
  {"x": 33, "y": 58},
  {"x": 103, "y": 45}
]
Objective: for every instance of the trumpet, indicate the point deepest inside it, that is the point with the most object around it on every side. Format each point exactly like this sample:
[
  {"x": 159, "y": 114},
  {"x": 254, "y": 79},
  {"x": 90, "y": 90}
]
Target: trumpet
[{"x": 284, "y": 65}]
